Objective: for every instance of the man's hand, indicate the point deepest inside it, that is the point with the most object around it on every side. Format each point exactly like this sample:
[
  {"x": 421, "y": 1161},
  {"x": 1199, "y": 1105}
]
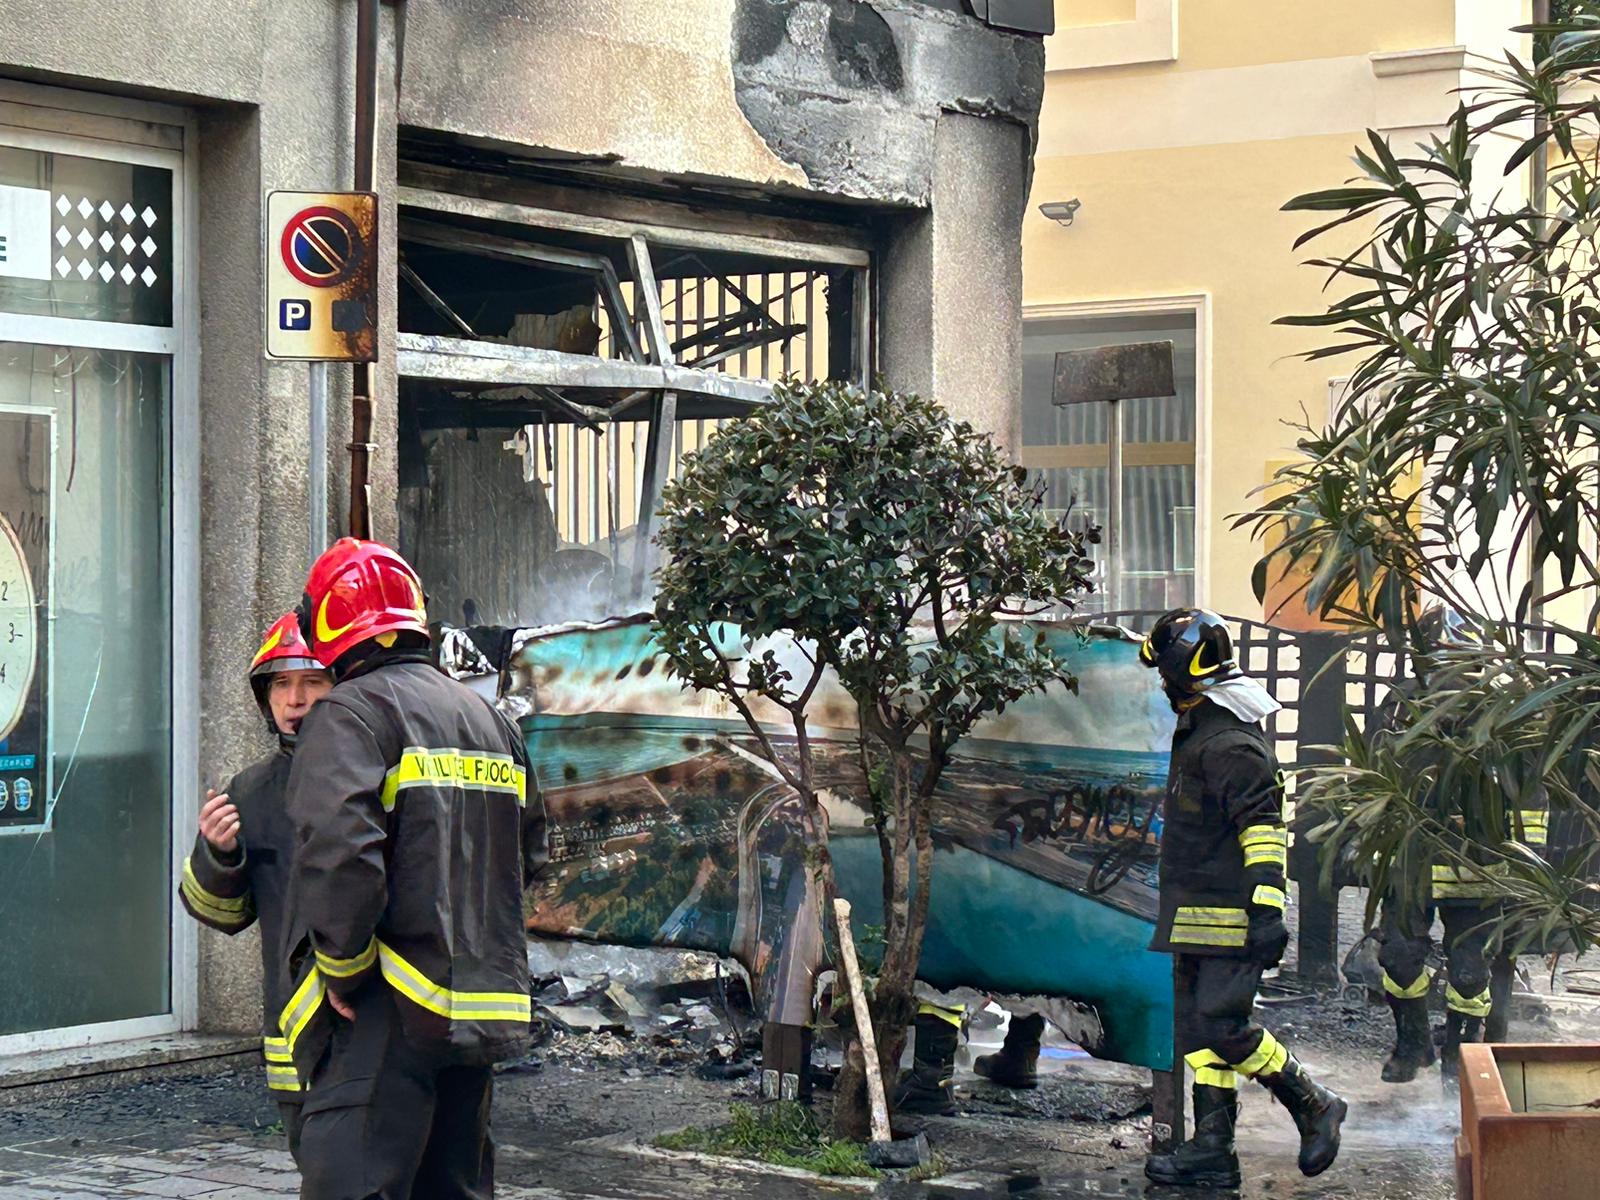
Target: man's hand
[
  {"x": 342, "y": 1007},
  {"x": 219, "y": 822}
]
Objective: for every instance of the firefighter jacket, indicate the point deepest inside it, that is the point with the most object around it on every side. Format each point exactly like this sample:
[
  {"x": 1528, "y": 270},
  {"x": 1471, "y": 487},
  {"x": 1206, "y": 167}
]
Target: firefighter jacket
[
  {"x": 1465, "y": 876},
  {"x": 416, "y": 833},
  {"x": 233, "y": 892},
  {"x": 1224, "y": 847}
]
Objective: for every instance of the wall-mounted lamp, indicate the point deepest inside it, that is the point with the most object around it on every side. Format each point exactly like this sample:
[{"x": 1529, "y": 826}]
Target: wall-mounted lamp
[{"x": 1061, "y": 211}]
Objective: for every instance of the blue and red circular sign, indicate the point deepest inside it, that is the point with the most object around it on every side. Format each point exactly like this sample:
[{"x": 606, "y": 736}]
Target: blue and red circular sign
[{"x": 321, "y": 246}]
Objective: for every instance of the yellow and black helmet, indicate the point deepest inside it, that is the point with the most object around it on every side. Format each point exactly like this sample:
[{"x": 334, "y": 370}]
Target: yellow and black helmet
[{"x": 1192, "y": 649}]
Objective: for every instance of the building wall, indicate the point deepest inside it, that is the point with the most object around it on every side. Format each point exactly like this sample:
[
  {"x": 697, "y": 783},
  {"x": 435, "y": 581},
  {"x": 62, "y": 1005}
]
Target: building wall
[
  {"x": 1182, "y": 165},
  {"x": 921, "y": 116}
]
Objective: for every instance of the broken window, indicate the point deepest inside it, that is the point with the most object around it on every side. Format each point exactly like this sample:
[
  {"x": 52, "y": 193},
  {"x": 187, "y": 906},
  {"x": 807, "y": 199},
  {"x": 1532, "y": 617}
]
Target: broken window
[
  {"x": 554, "y": 370},
  {"x": 1127, "y": 466}
]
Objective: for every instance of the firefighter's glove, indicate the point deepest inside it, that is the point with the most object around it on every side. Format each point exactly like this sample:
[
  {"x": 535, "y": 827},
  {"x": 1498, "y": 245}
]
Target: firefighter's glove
[{"x": 1268, "y": 937}]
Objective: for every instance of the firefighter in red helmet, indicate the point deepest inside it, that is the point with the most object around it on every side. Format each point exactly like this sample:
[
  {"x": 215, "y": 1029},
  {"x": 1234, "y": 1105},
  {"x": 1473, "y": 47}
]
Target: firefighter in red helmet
[
  {"x": 237, "y": 873},
  {"x": 417, "y": 829}
]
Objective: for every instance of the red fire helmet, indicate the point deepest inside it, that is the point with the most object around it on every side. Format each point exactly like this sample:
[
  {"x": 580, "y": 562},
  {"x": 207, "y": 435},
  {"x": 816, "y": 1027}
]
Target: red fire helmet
[
  {"x": 359, "y": 591},
  {"x": 283, "y": 649}
]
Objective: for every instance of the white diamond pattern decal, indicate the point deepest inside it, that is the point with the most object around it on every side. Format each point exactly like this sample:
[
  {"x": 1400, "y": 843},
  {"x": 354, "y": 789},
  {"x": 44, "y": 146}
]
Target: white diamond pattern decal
[
  {"x": 148, "y": 276},
  {"x": 63, "y": 205},
  {"x": 63, "y": 266},
  {"x": 85, "y": 207},
  {"x": 148, "y": 246},
  {"x": 106, "y": 209},
  {"x": 126, "y": 273},
  {"x": 106, "y": 240},
  {"x": 62, "y": 236},
  {"x": 126, "y": 243},
  {"x": 84, "y": 238},
  {"x": 148, "y": 215},
  {"x": 106, "y": 271},
  {"x": 127, "y": 213},
  {"x": 84, "y": 269}
]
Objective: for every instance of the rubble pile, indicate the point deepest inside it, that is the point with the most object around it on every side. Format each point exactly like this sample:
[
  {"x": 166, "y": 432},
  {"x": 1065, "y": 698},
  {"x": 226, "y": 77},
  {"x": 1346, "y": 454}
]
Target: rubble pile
[{"x": 651, "y": 1010}]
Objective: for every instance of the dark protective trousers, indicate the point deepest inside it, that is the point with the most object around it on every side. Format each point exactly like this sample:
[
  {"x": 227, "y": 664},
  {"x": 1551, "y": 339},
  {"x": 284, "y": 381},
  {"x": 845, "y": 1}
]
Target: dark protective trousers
[
  {"x": 1405, "y": 937},
  {"x": 1216, "y": 1032},
  {"x": 385, "y": 1120},
  {"x": 292, "y": 1116}
]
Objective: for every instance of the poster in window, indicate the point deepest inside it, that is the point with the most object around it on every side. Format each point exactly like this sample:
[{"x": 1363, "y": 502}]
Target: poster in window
[{"x": 27, "y": 462}]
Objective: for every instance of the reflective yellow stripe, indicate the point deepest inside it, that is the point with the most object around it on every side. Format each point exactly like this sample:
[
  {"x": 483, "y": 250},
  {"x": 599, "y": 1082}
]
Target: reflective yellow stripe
[
  {"x": 1269, "y": 897},
  {"x": 1269, "y": 834},
  {"x": 1535, "y": 826},
  {"x": 1201, "y": 925},
  {"x": 283, "y": 1079},
  {"x": 1210, "y": 1070},
  {"x": 276, "y": 1050},
  {"x": 1468, "y": 1006},
  {"x": 952, "y": 1015},
  {"x": 1268, "y": 1059},
  {"x": 1190, "y": 914},
  {"x": 301, "y": 1008},
  {"x": 1411, "y": 991},
  {"x": 1270, "y": 856},
  {"x": 343, "y": 968},
  {"x": 225, "y": 910},
  {"x": 450, "y": 768},
  {"x": 457, "y": 1006},
  {"x": 1194, "y": 935}
]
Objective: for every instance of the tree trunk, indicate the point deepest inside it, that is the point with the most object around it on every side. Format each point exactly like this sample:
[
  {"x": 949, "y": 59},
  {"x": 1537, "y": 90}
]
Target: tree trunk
[{"x": 852, "y": 1115}]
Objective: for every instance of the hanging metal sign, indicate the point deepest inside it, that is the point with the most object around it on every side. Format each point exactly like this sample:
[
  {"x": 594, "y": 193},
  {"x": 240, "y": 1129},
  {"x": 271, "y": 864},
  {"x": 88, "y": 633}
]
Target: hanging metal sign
[
  {"x": 322, "y": 276},
  {"x": 27, "y": 438}
]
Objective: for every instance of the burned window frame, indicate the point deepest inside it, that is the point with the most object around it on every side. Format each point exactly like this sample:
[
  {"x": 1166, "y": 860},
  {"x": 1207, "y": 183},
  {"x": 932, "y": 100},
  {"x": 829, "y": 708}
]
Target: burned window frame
[{"x": 649, "y": 380}]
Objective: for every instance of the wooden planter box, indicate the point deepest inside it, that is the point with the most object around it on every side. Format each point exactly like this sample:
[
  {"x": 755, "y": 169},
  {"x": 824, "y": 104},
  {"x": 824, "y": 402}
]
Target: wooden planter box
[{"x": 1525, "y": 1130}]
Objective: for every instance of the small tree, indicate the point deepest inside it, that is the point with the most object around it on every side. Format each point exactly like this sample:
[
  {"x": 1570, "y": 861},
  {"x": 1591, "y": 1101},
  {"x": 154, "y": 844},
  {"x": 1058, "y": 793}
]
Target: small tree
[
  {"x": 1475, "y": 322},
  {"x": 890, "y": 542}
]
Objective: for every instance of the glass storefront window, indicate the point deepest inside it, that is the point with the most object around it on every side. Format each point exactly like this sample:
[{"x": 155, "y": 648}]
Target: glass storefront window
[
  {"x": 1071, "y": 446},
  {"x": 88, "y": 298},
  {"x": 85, "y": 897}
]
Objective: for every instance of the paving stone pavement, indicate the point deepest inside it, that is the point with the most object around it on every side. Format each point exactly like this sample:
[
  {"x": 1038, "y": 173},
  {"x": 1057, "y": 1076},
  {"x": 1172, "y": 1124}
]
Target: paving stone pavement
[{"x": 250, "y": 1169}]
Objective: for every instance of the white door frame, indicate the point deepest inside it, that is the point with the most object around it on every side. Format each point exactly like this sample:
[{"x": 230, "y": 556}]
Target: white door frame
[
  {"x": 153, "y": 134},
  {"x": 1197, "y": 304}
]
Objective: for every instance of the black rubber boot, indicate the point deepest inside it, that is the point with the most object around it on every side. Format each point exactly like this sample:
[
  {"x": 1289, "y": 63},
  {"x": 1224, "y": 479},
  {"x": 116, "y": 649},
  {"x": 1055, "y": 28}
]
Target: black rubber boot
[
  {"x": 1207, "y": 1160},
  {"x": 1413, "y": 1041},
  {"x": 926, "y": 1087},
  {"x": 1317, "y": 1114},
  {"x": 1458, "y": 1028},
  {"x": 1016, "y": 1063}
]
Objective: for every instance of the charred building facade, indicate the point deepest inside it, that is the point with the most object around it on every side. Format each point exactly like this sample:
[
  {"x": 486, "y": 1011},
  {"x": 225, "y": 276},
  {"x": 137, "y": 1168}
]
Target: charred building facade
[{"x": 603, "y": 228}]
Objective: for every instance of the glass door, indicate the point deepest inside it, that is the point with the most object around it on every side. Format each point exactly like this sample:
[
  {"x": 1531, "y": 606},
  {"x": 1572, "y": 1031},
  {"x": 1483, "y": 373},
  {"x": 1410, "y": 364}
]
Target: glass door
[{"x": 88, "y": 234}]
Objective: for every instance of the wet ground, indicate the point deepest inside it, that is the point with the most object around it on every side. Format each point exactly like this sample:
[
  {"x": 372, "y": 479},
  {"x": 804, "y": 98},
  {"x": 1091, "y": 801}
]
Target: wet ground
[
  {"x": 578, "y": 1125},
  {"x": 575, "y": 1121}
]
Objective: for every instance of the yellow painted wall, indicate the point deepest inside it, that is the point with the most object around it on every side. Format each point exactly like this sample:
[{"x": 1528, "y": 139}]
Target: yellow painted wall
[
  {"x": 1205, "y": 220},
  {"x": 1072, "y": 13},
  {"x": 1231, "y": 33}
]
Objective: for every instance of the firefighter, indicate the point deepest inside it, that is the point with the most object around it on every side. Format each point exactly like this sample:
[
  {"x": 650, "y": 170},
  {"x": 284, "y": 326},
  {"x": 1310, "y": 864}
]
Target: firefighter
[
  {"x": 1223, "y": 862},
  {"x": 1478, "y": 973},
  {"x": 417, "y": 831},
  {"x": 240, "y": 864}
]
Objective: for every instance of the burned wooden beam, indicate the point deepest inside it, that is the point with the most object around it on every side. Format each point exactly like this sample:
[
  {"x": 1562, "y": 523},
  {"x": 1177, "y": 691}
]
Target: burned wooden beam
[
  {"x": 1138, "y": 371},
  {"x": 456, "y": 360}
]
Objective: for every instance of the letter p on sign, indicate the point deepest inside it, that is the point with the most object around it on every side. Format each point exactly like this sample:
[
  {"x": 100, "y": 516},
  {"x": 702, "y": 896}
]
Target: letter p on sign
[{"x": 294, "y": 314}]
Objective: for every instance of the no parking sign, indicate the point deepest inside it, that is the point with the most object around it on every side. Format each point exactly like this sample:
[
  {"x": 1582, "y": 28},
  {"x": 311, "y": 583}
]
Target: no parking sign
[{"x": 321, "y": 273}]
